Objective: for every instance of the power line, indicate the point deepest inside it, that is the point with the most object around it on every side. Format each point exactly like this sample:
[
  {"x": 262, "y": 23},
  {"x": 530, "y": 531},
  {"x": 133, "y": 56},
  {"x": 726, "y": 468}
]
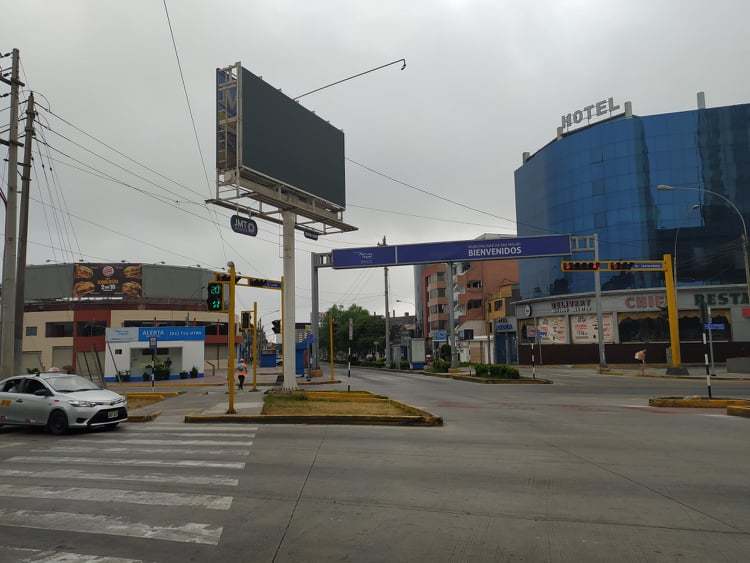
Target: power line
[
  {"x": 192, "y": 120},
  {"x": 442, "y": 219},
  {"x": 122, "y": 154},
  {"x": 432, "y": 194}
]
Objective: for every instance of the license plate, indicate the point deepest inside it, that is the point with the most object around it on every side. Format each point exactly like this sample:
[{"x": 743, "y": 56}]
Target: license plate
[{"x": 112, "y": 414}]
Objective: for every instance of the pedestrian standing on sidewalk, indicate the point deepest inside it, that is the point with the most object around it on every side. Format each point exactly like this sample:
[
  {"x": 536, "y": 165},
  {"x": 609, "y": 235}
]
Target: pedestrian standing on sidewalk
[{"x": 241, "y": 373}]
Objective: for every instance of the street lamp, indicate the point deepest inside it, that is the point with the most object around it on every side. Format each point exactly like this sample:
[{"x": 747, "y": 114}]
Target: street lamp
[
  {"x": 674, "y": 257},
  {"x": 665, "y": 187}
]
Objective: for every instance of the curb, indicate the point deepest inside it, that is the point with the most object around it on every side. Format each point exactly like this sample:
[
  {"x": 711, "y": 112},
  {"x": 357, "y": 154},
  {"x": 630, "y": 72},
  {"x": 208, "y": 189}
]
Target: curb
[
  {"x": 734, "y": 410},
  {"x": 349, "y": 419},
  {"x": 489, "y": 380},
  {"x": 697, "y": 402},
  {"x": 162, "y": 394},
  {"x": 143, "y": 417},
  {"x": 327, "y": 382}
]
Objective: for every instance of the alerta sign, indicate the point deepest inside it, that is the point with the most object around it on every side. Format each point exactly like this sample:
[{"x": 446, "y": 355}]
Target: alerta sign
[{"x": 602, "y": 107}]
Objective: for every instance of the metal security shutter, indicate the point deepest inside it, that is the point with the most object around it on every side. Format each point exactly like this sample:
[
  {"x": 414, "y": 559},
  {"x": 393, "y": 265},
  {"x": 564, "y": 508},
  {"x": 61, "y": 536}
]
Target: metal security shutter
[
  {"x": 62, "y": 356},
  {"x": 31, "y": 361}
]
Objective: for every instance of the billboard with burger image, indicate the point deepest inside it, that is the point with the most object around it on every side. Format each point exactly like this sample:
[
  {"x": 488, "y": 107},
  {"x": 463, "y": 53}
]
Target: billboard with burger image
[{"x": 107, "y": 280}]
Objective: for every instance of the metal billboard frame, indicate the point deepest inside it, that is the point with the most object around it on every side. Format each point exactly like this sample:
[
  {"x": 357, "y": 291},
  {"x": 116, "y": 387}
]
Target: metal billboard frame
[{"x": 244, "y": 190}]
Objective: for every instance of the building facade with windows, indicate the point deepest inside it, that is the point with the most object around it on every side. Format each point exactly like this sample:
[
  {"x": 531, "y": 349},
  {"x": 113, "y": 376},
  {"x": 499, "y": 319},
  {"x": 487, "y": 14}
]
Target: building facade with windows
[
  {"x": 69, "y": 307},
  {"x": 604, "y": 178}
]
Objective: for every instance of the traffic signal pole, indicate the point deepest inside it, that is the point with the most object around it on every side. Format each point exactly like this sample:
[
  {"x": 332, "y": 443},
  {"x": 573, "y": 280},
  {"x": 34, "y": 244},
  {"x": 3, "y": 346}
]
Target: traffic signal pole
[
  {"x": 674, "y": 327},
  {"x": 599, "y": 316},
  {"x": 232, "y": 359},
  {"x": 255, "y": 345}
]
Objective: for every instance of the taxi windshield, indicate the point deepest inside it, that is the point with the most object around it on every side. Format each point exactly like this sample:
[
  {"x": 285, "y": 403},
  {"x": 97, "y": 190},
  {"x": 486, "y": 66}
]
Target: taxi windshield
[{"x": 70, "y": 383}]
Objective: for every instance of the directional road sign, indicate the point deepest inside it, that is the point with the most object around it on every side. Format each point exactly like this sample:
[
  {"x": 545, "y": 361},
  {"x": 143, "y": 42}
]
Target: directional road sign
[{"x": 715, "y": 326}]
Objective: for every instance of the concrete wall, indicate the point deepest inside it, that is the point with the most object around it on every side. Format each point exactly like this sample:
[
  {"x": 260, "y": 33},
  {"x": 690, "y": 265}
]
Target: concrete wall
[{"x": 40, "y": 343}]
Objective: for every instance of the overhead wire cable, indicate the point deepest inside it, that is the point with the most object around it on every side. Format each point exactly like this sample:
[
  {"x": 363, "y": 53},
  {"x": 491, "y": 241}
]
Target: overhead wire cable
[{"x": 192, "y": 119}]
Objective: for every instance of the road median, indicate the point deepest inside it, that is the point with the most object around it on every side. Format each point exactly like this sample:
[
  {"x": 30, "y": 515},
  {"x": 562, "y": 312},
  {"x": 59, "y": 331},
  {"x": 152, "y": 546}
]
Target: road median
[
  {"x": 698, "y": 402},
  {"x": 327, "y": 407}
]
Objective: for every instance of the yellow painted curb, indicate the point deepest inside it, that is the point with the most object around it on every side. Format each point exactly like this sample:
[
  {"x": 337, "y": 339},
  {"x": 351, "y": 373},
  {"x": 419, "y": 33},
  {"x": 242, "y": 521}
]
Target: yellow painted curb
[
  {"x": 162, "y": 394},
  {"x": 696, "y": 402},
  {"x": 738, "y": 411}
]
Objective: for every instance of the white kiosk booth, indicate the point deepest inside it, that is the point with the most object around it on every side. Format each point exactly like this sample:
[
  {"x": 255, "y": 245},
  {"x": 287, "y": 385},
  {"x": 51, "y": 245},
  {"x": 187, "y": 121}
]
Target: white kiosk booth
[{"x": 179, "y": 349}]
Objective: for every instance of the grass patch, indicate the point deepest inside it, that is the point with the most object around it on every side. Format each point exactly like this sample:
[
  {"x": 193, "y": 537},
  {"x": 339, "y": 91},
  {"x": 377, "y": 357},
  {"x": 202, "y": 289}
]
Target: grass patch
[{"x": 304, "y": 403}]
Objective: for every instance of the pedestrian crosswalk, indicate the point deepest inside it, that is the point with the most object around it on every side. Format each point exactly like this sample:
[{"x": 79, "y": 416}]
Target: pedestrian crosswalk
[{"x": 158, "y": 482}]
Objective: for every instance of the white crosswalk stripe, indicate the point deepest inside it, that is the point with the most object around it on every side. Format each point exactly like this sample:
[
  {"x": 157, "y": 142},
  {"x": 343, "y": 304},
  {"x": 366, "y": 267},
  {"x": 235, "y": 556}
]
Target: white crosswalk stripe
[
  {"x": 217, "y": 480},
  {"x": 98, "y": 449},
  {"x": 190, "y": 532},
  {"x": 189, "y": 434},
  {"x": 28, "y": 555},
  {"x": 165, "y": 457},
  {"x": 160, "y": 442},
  {"x": 212, "y": 502},
  {"x": 192, "y": 463},
  {"x": 156, "y": 427}
]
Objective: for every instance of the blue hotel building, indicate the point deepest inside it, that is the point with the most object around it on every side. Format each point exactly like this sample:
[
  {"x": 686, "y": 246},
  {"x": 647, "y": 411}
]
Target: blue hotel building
[{"x": 603, "y": 178}]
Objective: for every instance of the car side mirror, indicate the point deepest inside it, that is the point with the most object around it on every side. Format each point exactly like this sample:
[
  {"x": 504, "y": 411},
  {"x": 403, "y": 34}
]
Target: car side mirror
[{"x": 42, "y": 393}]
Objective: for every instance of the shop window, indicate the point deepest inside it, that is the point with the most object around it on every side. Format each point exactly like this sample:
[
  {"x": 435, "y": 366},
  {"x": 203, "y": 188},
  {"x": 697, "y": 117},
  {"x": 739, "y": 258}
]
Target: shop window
[
  {"x": 30, "y": 331},
  {"x": 468, "y": 334},
  {"x": 498, "y": 304},
  {"x": 91, "y": 328},
  {"x": 58, "y": 330},
  {"x": 474, "y": 304},
  {"x": 118, "y": 351}
]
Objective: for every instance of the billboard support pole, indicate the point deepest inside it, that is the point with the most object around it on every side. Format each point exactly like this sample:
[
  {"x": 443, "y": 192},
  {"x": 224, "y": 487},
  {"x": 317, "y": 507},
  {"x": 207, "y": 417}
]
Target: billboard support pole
[
  {"x": 314, "y": 313},
  {"x": 287, "y": 291}
]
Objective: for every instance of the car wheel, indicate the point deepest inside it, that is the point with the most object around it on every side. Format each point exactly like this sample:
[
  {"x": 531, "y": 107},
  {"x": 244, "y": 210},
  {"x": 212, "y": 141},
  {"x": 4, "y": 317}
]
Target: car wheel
[{"x": 57, "y": 423}]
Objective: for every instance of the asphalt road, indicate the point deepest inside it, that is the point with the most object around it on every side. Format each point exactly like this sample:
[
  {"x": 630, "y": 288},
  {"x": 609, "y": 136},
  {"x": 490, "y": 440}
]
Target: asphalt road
[{"x": 581, "y": 470}]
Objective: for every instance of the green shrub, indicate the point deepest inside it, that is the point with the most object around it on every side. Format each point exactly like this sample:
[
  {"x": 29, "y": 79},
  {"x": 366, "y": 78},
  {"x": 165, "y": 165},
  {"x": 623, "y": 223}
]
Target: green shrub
[
  {"x": 405, "y": 364},
  {"x": 440, "y": 366},
  {"x": 498, "y": 371}
]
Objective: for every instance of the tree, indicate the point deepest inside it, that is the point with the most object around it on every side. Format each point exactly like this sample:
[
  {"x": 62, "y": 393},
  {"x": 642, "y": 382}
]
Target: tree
[{"x": 369, "y": 331}]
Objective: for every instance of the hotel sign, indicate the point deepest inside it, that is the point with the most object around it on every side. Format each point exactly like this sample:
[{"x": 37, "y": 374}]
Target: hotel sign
[{"x": 598, "y": 109}]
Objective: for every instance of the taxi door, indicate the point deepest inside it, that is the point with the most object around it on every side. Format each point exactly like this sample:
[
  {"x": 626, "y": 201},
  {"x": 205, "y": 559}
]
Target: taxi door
[{"x": 9, "y": 395}]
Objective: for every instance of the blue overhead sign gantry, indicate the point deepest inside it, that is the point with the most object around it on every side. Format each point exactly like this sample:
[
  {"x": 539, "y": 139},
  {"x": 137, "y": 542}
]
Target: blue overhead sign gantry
[{"x": 451, "y": 251}]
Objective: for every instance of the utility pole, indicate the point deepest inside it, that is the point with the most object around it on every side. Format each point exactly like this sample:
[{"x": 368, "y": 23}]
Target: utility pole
[
  {"x": 8, "y": 305},
  {"x": 255, "y": 345},
  {"x": 23, "y": 232},
  {"x": 288, "y": 340},
  {"x": 451, "y": 316},
  {"x": 387, "y": 318}
]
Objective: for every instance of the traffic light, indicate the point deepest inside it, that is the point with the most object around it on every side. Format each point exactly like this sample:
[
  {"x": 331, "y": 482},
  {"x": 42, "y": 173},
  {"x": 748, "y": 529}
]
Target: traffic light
[
  {"x": 215, "y": 301},
  {"x": 222, "y": 277},
  {"x": 276, "y": 326},
  {"x": 245, "y": 320},
  {"x": 620, "y": 266},
  {"x": 568, "y": 266}
]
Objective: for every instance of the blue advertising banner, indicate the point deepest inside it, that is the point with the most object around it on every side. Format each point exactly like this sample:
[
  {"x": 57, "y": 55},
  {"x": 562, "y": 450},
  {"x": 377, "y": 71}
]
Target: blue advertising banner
[
  {"x": 364, "y": 257},
  {"x": 172, "y": 333},
  {"x": 452, "y": 251}
]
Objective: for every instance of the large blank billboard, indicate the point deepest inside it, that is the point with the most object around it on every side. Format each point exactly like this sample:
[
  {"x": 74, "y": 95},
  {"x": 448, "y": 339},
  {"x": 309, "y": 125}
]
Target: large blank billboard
[{"x": 284, "y": 141}]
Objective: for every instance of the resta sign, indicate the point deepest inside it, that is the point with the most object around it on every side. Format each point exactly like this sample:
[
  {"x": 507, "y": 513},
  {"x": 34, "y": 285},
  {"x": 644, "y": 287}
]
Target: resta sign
[{"x": 602, "y": 107}]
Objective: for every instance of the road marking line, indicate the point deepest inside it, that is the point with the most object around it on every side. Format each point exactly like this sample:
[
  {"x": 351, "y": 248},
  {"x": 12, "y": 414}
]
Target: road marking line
[
  {"x": 41, "y": 556},
  {"x": 157, "y": 442},
  {"x": 154, "y": 427},
  {"x": 188, "y": 434},
  {"x": 212, "y": 502},
  {"x": 92, "y": 449},
  {"x": 129, "y": 462},
  {"x": 12, "y": 444},
  {"x": 190, "y": 532},
  {"x": 137, "y": 477}
]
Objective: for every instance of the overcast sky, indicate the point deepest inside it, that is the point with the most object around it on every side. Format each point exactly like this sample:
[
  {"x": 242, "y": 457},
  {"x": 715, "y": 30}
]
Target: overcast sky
[{"x": 485, "y": 81}]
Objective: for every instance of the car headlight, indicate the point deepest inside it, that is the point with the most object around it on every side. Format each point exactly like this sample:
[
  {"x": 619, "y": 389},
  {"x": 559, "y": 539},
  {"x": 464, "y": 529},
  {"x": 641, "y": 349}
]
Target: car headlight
[{"x": 81, "y": 404}]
